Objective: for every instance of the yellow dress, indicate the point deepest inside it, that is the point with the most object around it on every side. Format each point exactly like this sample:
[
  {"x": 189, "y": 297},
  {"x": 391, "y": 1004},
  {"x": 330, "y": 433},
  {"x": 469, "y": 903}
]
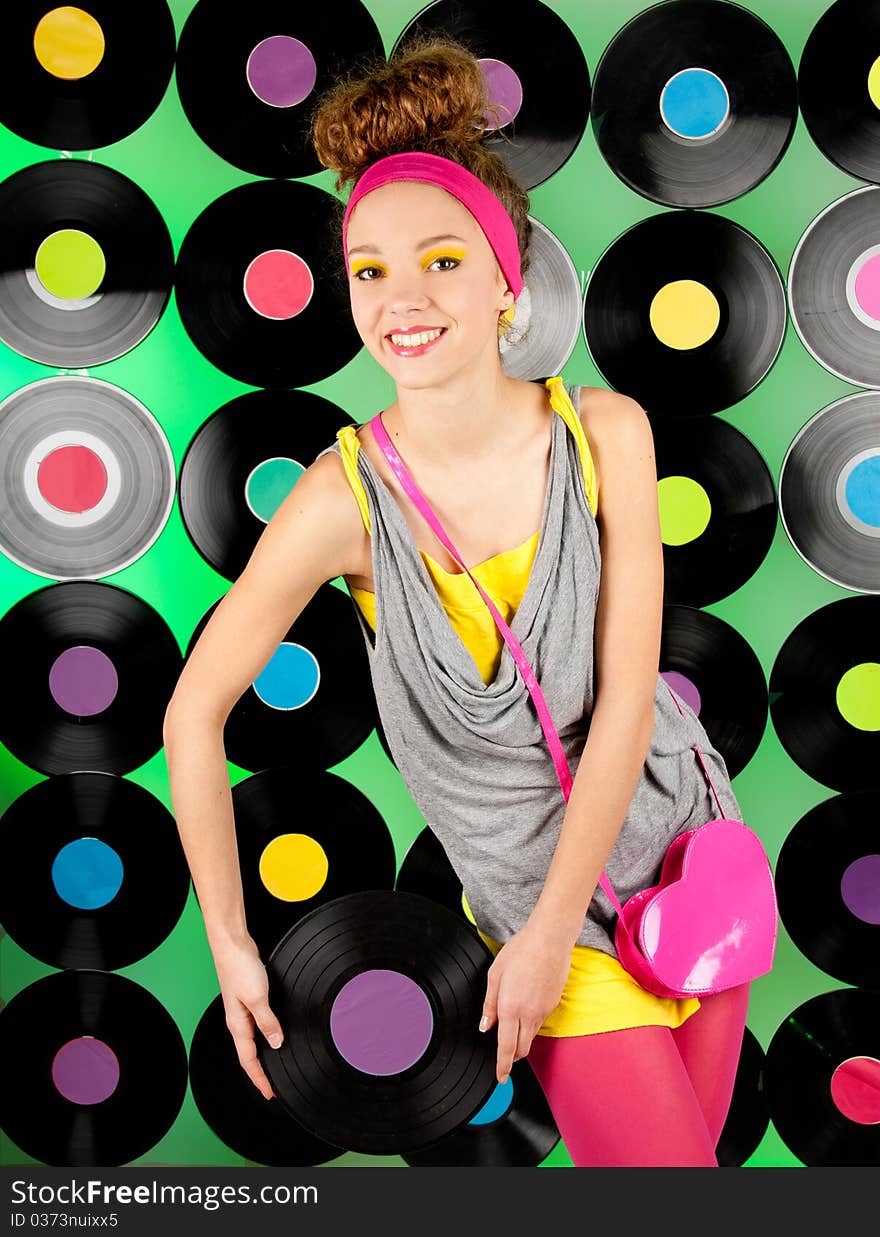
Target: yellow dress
[{"x": 599, "y": 994}]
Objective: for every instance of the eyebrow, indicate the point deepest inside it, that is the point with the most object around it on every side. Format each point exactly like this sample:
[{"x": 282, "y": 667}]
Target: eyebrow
[{"x": 429, "y": 240}]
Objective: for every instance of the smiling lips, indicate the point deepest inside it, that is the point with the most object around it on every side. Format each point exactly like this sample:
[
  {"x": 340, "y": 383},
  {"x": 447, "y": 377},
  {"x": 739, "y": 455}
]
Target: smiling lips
[{"x": 420, "y": 344}]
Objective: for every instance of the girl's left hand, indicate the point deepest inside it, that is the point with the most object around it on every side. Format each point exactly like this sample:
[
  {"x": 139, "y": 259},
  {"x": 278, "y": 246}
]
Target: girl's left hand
[{"x": 524, "y": 985}]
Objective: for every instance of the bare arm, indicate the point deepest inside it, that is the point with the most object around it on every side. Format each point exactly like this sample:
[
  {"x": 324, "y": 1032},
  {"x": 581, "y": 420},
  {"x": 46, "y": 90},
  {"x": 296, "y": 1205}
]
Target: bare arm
[
  {"x": 629, "y": 619},
  {"x": 315, "y": 536}
]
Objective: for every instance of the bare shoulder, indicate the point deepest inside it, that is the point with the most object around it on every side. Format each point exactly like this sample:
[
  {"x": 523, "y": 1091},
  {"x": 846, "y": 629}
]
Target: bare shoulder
[
  {"x": 616, "y": 426},
  {"x": 329, "y": 489}
]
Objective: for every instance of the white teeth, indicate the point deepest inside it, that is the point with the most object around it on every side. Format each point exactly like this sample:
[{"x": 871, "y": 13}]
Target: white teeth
[{"x": 412, "y": 341}]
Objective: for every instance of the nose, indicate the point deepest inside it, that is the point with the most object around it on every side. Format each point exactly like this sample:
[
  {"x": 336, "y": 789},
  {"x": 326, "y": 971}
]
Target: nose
[{"x": 405, "y": 291}]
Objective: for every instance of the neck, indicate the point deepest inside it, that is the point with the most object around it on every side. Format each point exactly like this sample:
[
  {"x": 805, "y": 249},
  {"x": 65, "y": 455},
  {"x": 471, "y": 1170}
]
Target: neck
[{"x": 461, "y": 422}]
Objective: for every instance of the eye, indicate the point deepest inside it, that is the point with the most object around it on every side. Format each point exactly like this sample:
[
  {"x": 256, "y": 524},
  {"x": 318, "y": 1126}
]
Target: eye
[
  {"x": 446, "y": 259},
  {"x": 361, "y": 271}
]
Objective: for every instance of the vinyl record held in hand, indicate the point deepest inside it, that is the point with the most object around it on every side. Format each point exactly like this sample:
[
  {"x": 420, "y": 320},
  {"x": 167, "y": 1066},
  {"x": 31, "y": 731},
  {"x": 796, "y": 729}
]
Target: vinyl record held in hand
[
  {"x": 92, "y": 1069},
  {"x": 249, "y": 76},
  {"x": 241, "y": 465},
  {"x": 694, "y": 102},
  {"x": 93, "y": 670},
  {"x": 685, "y": 312},
  {"x": 92, "y": 872},
  {"x": 86, "y": 263},
  {"x": 543, "y": 99},
  {"x": 258, "y": 286},
  {"x": 79, "y": 78},
  {"x": 380, "y": 995},
  {"x": 236, "y": 1111}
]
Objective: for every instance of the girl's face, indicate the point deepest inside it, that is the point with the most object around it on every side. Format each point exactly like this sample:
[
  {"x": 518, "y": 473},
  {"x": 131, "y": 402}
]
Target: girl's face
[{"x": 417, "y": 260}]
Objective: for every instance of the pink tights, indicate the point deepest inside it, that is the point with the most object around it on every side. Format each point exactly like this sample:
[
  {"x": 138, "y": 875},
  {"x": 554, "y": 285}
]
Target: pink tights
[{"x": 646, "y": 1096}]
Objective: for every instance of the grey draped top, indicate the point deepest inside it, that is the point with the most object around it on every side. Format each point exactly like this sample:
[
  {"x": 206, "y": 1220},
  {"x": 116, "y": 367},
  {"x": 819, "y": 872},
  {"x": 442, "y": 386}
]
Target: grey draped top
[{"x": 474, "y": 756}]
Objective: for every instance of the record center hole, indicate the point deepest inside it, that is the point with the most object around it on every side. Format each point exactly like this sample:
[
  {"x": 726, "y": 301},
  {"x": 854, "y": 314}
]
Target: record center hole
[{"x": 381, "y": 1022}]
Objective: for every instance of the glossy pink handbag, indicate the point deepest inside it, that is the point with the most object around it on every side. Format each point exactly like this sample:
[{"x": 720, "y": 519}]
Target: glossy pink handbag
[{"x": 711, "y": 920}]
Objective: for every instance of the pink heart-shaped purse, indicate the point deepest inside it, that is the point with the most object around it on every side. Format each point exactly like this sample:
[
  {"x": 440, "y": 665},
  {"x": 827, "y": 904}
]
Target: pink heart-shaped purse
[
  {"x": 710, "y": 922},
  {"x": 711, "y": 915}
]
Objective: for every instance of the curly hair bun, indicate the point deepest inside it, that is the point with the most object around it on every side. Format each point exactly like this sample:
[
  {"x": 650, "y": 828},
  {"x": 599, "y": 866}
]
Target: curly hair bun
[{"x": 431, "y": 97}]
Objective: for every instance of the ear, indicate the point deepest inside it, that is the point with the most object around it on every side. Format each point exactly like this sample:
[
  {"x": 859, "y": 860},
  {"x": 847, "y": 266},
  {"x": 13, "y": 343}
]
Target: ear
[{"x": 507, "y": 300}]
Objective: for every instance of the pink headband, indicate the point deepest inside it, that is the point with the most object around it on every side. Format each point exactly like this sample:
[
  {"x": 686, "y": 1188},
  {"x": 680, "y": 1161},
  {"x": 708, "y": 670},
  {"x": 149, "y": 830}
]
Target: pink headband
[{"x": 488, "y": 210}]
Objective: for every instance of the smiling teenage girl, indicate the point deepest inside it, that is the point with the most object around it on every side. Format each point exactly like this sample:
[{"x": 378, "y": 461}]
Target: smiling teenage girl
[{"x": 435, "y": 240}]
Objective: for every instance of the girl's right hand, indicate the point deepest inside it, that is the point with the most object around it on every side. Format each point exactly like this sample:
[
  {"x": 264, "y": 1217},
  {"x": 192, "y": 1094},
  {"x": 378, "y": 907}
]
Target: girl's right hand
[{"x": 244, "y": 986}]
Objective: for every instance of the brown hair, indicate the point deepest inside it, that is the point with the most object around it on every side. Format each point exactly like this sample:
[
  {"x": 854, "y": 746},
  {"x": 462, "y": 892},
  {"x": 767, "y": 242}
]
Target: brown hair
[{"x": 430, "y": 97}]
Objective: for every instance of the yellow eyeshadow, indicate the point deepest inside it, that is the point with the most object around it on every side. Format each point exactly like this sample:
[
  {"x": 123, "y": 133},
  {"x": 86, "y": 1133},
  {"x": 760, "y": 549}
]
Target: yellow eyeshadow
[
  {"x": 364, "y": 265},
  {"x": 444, "y": 253}
]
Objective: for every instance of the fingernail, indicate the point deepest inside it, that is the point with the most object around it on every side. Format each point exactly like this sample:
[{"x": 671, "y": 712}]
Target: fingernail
[
  {"x": 275, "y": 1040},
  {"x": 504, "y": 1079},
  {"x": 484, "y": 1022}
]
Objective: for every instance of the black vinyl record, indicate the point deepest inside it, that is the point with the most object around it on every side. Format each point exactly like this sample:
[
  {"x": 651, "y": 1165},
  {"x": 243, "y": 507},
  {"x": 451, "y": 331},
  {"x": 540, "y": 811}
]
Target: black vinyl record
[
  {"x": 92, "y": 874},
  {"x": 258, "y": 285},
  {"x": 260, "y": 429},
  {"x": 91, "y": 669},
  {"x": 828, "y": 494},
  {"x": 705, "y": 562},
  {"x": 248, "y": 76},
  {"x": 304, "y": 838},
  {"x": 313, "y": 703},
  {"x": 832, "y": 287},
  {"x": 815, "y": 682},
  {"x": 685, "y": 312},
  {"x": 748, "y": 1116},
  {"x": 426, "y": 870},
  {"x": 93, "y": 1069},
  {"x": 250, "y": 1125},
  {"x": 829, "y": 860},
  {"x": 99, "y": 297},
  {"x": 87, "y": 476},
  {"x": 694, "y": 102},
  {"x": 397, "y": 981},
  {"x": 515, "y": 1128},
  {"x": 543, "y": 100},
  {"x": 840, "y": 86},
  {"x": 80, "y": 78},
  {"x": 716, "y": 671},
  {"x": 822, "y": 1080}
]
